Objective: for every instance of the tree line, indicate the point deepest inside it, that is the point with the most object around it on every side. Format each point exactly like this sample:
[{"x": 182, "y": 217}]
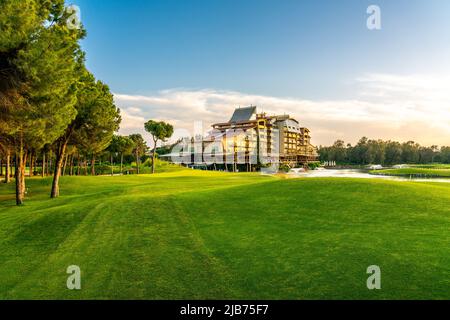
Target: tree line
[
  {"x": 55, "y": 116},
  {"x": 50, "y": 103},
  {"x": 368, "y": 151}
]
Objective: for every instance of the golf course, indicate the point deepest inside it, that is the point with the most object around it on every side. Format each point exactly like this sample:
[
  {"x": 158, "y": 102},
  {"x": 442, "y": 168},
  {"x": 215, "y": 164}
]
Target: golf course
[
  {"x": 191, "y": 234},
  {"x": 415, "y": 172}
]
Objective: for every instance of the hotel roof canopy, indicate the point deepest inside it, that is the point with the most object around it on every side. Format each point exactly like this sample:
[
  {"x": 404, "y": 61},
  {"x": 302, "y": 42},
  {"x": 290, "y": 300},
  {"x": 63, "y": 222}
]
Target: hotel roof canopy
[{"x": 243, "y": 114}]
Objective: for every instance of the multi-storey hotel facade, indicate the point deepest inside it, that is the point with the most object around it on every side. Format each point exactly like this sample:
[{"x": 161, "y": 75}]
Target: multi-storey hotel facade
[{"x": 250, "y": 140}]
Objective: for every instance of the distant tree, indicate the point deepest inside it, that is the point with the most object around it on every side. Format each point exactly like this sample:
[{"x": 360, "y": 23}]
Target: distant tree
[
  {"x": 165, "y": 149},
  {"x": 445, "y": 154},
  {"x": 376, "y": 149},
  {"x": 393, "y": 152},
  {"x": 323, "y": 153},
  {"x": 121, "y": 145},
  {"x": 160, "y": 131},
  {"x": 124, "y": 146},
  {"x": 139, "y": 148},
  {"x": 71, "y": 152},
  {"x": 362, "y": 152},
  {"x": 338, "y": 152},
  {"x": 410, "y": 152},
  {"x": 426, "y": 155},
  {"x": 435, "y": 150},
  {"x": 112, "y": 149},
  {"x": 5, "y": 148}
]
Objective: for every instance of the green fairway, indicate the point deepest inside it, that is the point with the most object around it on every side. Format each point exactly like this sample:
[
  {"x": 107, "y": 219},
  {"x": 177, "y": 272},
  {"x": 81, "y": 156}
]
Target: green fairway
[
  {"x": 204, "y": 235},
  {"x": 431, "y": 166},
  {"x": 414, "y": 172}
]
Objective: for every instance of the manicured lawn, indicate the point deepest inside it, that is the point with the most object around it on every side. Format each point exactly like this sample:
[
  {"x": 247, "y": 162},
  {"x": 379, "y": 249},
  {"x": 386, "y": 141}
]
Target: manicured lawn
[
  {"x": 415, "y": 172},
  {"x": 431, "y": 166},
  {"x": 192, "y": 234}
]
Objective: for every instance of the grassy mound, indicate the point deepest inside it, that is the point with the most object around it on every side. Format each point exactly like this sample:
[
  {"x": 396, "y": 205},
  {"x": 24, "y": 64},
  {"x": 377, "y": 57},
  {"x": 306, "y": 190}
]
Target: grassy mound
[
  {"x": 194, "y": 234},
  {"x": 431, "y": 166},
  {"x": 414, "y": 172}
]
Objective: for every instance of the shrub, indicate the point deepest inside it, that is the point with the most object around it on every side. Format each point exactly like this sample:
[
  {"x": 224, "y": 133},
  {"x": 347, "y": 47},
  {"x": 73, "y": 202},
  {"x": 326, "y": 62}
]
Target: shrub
[
  {"x": 313, "y": 165},
  {"x": 284, "y": 168}
]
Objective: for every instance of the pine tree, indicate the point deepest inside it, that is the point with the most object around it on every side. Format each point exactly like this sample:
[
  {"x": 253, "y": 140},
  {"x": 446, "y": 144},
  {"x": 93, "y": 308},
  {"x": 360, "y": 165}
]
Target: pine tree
[
  {"x": 160, "y": 131},
  {"x": 139, "y": 148},
  {"x": 93, "y": 127},
  {"x": 39, "y": 54}
]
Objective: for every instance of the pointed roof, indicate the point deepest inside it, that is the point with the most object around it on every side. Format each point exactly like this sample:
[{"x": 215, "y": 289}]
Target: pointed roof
[{"x": 243, "y": 114}]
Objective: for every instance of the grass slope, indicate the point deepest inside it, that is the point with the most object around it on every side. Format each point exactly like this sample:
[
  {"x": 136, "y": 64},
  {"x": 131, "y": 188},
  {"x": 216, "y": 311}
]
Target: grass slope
[
  {"x": 414, "y": 172},
  {"x": 431, "y": 166},
  {"x": 194, "y": 234}
]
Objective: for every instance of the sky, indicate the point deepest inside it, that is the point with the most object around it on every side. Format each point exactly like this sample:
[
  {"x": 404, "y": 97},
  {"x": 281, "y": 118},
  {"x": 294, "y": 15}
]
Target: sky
[{"x": 184, "y": 61}]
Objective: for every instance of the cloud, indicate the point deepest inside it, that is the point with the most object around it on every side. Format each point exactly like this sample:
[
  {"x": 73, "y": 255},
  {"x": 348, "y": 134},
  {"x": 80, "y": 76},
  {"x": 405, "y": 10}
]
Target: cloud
[{"x": 414, "y": 107}]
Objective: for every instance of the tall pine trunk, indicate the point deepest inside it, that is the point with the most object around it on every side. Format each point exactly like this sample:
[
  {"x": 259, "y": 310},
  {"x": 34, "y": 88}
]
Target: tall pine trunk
[
  {"x": 93, "y": 166},
  {"x": 79, "y": 165},
  {"x": 137, "y": 162},
  {"x": 85, "y": 166},
  {"x": 58, "y": 166},
  {"x": 43, "y": 164},
  {"x": 121, "y": 163},
  {"x": 21, "y": 160},
  {"x": 8, "y": 167},
  {"x": 31, "y": 164},
  {"x": 154, "y": 157},
  {"x": 65, "y": 165},
  {"x": 71, "y": 165},
  {"x": 49, "y": 165}
]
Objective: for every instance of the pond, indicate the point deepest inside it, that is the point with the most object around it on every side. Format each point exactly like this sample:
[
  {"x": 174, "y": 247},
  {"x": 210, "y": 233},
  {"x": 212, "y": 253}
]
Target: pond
[{"x": 356, "y": 173}]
